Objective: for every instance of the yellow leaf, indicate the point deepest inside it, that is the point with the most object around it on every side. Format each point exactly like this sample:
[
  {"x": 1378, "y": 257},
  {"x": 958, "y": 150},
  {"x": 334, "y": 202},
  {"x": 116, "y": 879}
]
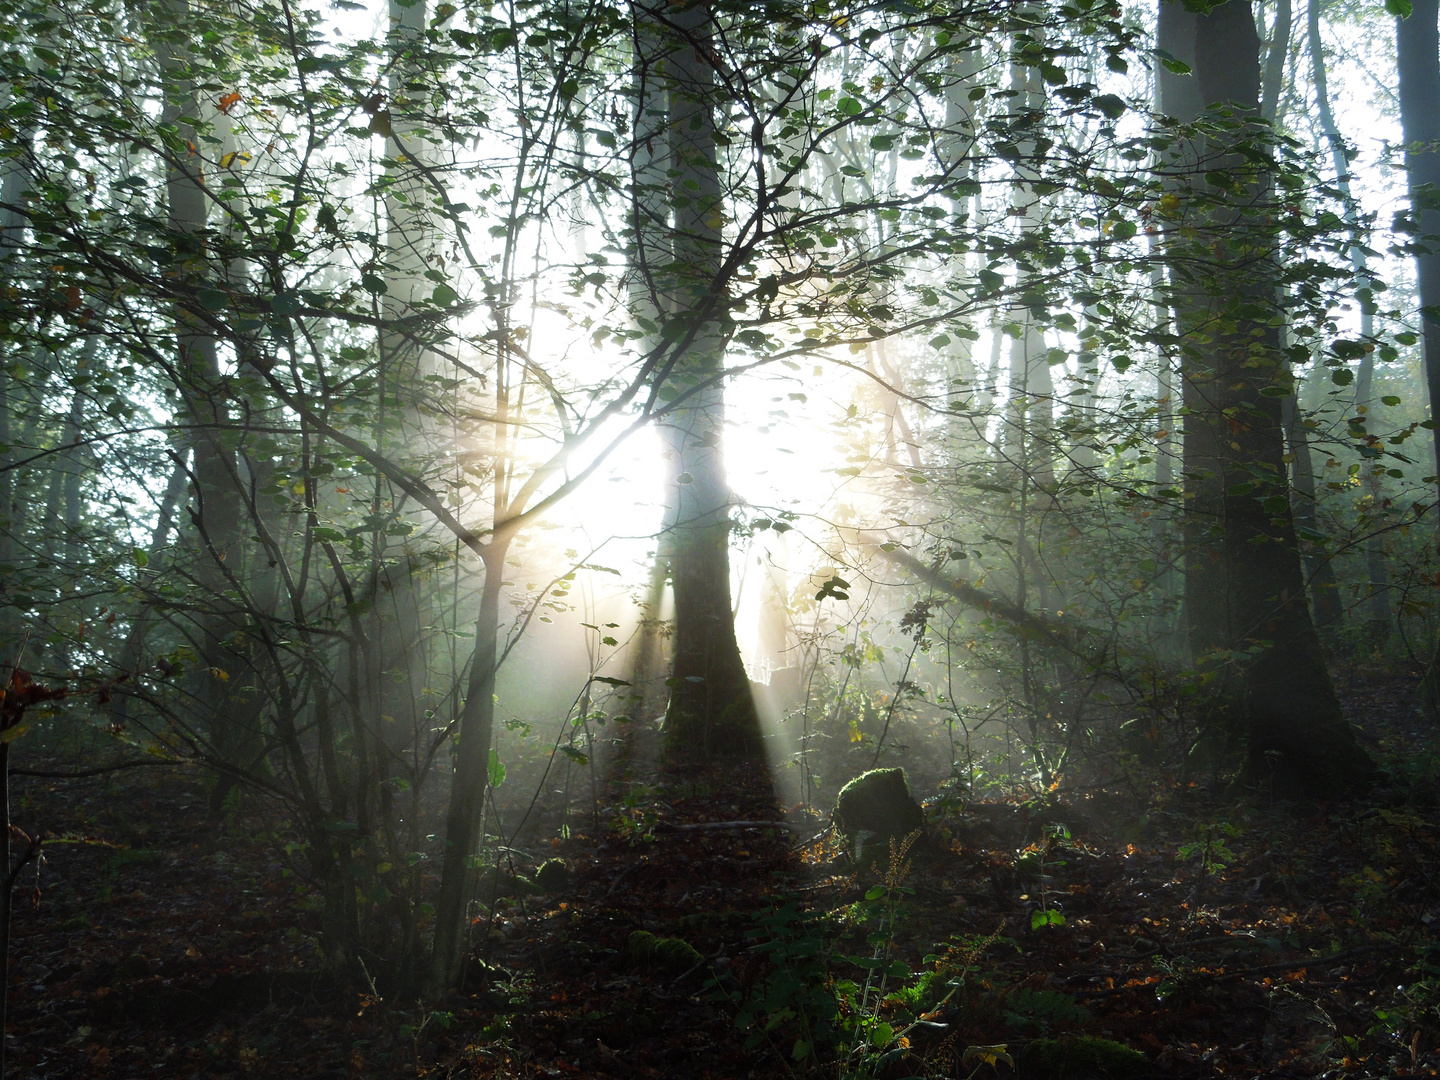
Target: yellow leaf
[
  {"x": 220, "y": 673},
  {"x": 987, "y": 1055}
]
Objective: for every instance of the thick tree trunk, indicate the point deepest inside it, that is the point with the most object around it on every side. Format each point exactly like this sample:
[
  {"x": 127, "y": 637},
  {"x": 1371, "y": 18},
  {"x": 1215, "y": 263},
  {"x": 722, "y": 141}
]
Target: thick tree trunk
[
  {"x": 1417, "y": 46},
  {"x": 1247, "y": 605},
  {"x": 711, "y": 712}
]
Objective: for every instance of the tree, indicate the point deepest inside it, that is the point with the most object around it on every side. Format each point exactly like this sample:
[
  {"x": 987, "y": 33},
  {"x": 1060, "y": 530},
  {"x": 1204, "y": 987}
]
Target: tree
[
  {"x": 1417, "y": 47},
  {"x": 1245, "y": 592},
  {"x": 711, "y": 711}
]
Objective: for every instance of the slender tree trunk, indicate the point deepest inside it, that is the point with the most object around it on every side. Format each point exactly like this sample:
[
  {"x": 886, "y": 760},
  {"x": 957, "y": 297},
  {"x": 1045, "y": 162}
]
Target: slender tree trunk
[
  {"x": 216, "y": 512},
  {"x": 467, "y": 794},
  {"x": 12, "y": 236}
]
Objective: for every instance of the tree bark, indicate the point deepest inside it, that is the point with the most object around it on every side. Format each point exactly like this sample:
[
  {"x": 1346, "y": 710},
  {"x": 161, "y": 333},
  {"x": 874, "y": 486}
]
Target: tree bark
[
  {"x": 1251, "y": 617},
  {"x": 232, "y": 717},
  {"x": 711, "y": 713},
  {"x": 467, "y": 793},
  {"x": 1417, "y": 47}
]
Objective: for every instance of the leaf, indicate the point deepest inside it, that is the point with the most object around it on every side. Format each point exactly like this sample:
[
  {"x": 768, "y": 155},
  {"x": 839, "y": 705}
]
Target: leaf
[
  {"x": 496, "y": 772},
  {"x": 882, "y": 1034},
  {"x": 380, "y": 124},
  {"x": 212, "y": 299},
  {"x": 1401, "y": 9},
  {"x": 139, "y": 557},
  {"x": 610, "y": 680},
  {"x": 225, "y": 104},
  {"x": 1112, "y": 106},
  {"x": 987, "y": 1055},
  {"x": 13, "y": 732}
]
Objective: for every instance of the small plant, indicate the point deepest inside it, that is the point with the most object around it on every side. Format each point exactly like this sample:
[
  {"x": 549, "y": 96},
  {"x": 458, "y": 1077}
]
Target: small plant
[
  {"x": 1208, "y": 847},
  {"x": 1037, "y": 860},
  {"x": 636, "y": 816}
]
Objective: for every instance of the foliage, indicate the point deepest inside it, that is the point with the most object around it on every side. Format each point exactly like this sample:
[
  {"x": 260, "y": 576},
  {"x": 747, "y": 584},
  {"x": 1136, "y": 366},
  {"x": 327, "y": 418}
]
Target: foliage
[{"x": 858, "y": 1023}]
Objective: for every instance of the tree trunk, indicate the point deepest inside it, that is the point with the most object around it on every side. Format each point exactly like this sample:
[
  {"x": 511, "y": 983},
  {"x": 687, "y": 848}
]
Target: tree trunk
[
  {"x": 467, "y": 793},
  {"x": 1377, "y": 604},
  {"x": 231, "y": 717},
  {"x": 1247, "y": 605},
  {"x": 711, "y": 712},
  {"x": 1417, "y": 46}
]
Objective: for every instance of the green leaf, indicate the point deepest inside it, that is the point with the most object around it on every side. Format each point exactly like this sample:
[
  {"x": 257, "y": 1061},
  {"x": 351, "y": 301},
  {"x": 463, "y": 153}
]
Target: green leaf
[
  {"x": 1111, "y": 105},
  {"x": 1390, "y": 399},
  {"x": 139, "y": 557},
  {"x": 1401, "y": 9},
  {"x": 444, "y": 296},
  {"x": 881, "y": 1035},
  {"x": 610, "y": 680},
  {"x": 1342, "y": 376},
  {"x": 496, "y": 772}
]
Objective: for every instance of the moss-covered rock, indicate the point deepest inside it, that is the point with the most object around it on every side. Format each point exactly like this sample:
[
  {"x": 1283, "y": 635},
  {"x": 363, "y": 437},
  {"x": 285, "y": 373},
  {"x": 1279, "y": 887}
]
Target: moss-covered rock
[
  {"x": 553, "y": 876},
  {"x": 1083, "y": 1057},
  {"x": 875, "y": 808},
  {"x": 668, "y": 954}
]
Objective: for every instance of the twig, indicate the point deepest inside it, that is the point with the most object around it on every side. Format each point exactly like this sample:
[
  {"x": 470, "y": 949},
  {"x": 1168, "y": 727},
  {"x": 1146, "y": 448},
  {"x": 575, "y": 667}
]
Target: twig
[
  {"x": 99, "y": 770},
  {"x": 715, "y": 825}
]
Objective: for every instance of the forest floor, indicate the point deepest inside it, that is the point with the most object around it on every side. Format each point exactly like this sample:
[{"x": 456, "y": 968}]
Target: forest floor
[{"x": 1215, "y": 936}]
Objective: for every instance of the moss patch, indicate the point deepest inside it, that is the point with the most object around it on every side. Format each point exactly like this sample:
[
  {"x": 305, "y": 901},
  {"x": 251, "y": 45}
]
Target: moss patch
[{"x": 667, "y": 954}]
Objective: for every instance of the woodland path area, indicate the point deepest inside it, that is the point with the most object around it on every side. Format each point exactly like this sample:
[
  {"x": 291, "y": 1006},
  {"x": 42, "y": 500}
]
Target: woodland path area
[{"x": 1218, "y": 937}]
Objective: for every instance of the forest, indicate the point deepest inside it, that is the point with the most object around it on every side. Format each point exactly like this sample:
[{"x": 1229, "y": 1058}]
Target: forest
[{"x": 720, "y": 538}]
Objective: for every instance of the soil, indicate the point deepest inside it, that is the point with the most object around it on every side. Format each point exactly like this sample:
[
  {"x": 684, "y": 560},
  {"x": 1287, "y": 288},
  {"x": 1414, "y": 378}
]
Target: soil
[{"x": 1219, "y": 935}]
